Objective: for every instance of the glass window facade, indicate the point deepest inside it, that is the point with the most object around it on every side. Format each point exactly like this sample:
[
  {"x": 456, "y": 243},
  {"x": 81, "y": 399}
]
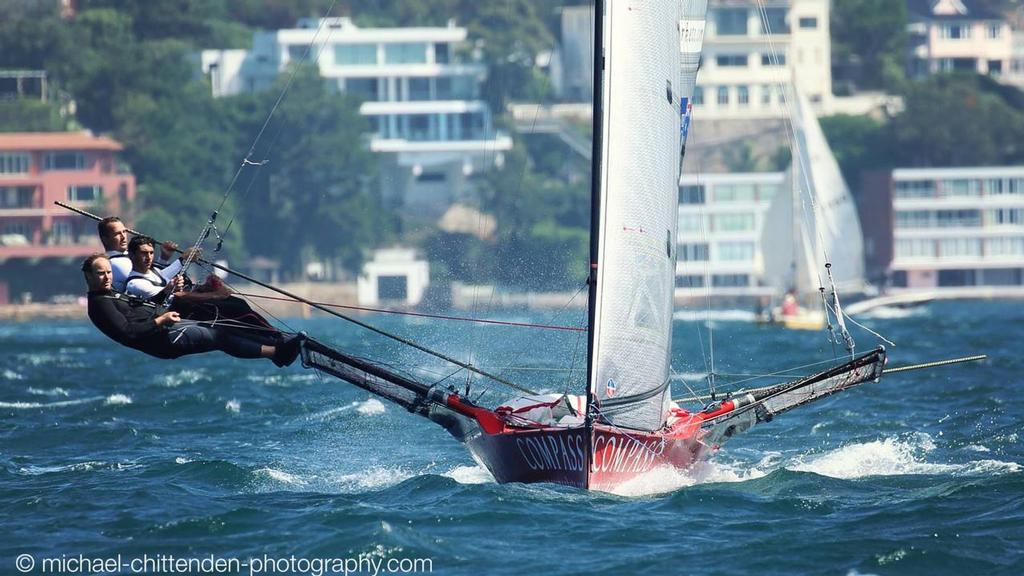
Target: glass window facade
[
  {"x": 693, "y": 252},
  {"x": 14, "y": 163},
  {"x": 691, "y": 194},
  {"x": 734, "y": 193},
  {"x": 405, "y": 53},
  {"x": 64, "y": 161},
  {"x": 355, "y": 54},
  {"x": 84, "y": 193},
  {"x": 735, "y": 251},
  {"x": 773, "y": 21},
  {"x": 731, "y": 21},
  {"x": 733, "y": 222}
]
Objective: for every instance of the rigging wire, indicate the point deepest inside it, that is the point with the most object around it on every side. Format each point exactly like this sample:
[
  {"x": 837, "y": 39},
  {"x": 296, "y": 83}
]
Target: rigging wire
[{"x": 247, "y": 160}]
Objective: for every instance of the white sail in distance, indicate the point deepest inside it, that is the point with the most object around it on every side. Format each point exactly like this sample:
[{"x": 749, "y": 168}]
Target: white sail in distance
[
  {"x": 813, "y": 216},
  {"x": 642, "y": 102}
]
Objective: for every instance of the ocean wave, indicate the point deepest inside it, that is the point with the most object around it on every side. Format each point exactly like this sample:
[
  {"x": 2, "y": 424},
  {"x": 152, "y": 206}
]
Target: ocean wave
[
  {"x": 897, "y": 456},
  {"x": 187, "y": 376},
  {"x": 118, "y": 400},
  {"x": 11, "y": 375},
  {"x": 52, "y": 392},
  {"x": 58, "y": 404},
  {"x": 469, "y": 475},
  {"x": 281, "y": 476},
  {"x": 233, "y": 406},
  {"x": 371, "y": 407},
  {"x": 893, "y": 313},
  {"x": 87, "y": 466}
]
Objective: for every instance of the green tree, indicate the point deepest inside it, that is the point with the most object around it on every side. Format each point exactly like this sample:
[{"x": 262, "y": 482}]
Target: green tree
[
  {"x": 318, "y": 192},
  {"x": 869, "y": 41},
  {"x": 858, "y": 143},
  {"x": 952, "y": 120}
]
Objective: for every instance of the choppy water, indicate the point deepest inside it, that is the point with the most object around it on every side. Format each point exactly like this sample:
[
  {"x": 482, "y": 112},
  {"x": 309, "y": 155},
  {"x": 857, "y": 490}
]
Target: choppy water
[{"x": 104, "y": 452}]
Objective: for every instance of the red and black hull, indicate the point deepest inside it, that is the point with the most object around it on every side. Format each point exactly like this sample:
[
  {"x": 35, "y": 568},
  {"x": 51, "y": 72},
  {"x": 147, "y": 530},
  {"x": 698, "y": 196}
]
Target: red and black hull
[{"x": 601, "y": 459}]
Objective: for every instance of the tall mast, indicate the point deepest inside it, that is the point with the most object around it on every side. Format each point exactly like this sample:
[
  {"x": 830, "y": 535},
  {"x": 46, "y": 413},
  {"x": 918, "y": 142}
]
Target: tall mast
[{"x": 595, "y": 208}]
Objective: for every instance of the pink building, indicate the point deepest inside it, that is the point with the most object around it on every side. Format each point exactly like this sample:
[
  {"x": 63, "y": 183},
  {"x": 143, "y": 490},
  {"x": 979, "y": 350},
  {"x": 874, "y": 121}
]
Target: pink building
[
  {"x": 37, "y": 169},
  {"x": 952, "y": 35}
]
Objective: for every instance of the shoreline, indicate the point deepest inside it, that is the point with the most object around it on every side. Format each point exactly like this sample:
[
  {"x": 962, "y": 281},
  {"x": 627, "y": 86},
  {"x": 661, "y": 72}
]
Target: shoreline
[{"x": 345, "y": 295}]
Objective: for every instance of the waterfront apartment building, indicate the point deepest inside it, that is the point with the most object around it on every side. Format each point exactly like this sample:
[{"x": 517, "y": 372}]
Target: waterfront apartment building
[
  {"x": 421, "y": 91},
  {"x": 721, "y": 220},
  {"x": 958, "y": 35},
  {"x": 35, "y": 170},
  {"x": 945, "y": 227},
  {"x": 749, "y": 54}
]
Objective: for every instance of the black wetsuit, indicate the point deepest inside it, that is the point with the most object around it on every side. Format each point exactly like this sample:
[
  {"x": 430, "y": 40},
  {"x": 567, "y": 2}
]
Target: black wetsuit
[{"x": 130, "y": 322}]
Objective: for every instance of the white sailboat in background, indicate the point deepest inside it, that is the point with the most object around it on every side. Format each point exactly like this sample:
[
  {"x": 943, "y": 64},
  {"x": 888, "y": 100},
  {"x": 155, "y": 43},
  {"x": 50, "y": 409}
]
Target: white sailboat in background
[{"x": 813, "y": 218}]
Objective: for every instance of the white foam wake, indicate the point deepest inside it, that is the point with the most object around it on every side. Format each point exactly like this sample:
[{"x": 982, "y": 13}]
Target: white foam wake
[
  {"x": 722, "y": 315},
  {"x": 897, "y": 456}
]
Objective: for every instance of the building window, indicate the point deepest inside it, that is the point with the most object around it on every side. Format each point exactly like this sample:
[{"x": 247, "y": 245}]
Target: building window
[
  {"x": 16, "y": 197},
  {"x": 441, "y": 53},
  {"x": 365, "y": 88},
  {"x": 768, "y": 60},
  {"x": 698, "y": 96},
  {"x": 735, "y": 251},
  {"x": 730, "y": 280},
  {"x": 419, "y": 89},
  {"x": 915, "y": 189},
  {"x": 355, "y": 54},
  {"x": 1006, "y": 216},
  {"x": 734, "y": 193},
  {"x": 731, "y": 21},
  {"x": 959, "y": 187},
  {"x": 743, "y": 222},
  {"x": 690, "y": 222},
  {"x": 955, "y": 32},
  {"x": 914, "y": 219},
  {"x": 959, "y": 247},
  {"x": 994, "y": 31},
  {"x": 1009, "y": 246},
  {"x": 691, "y": 194},
  {"x": 13, "y": 163},
  {"x": 84, "y": 193},
  {"x": 957, "y": 218},
  {"x": 405, "y": 53},
  {"x": 298, "y": 52},
  {"x": 689, "y": 281},
  {"x": 915, "y": 248},
  {"x": 64, "y": 161},
  {"x": 808, "y": 22},
  {"x": 743, "y": 95},
  {"x": 773, "y": 21},
  {"x": 432, "y": 177},
  {"x": 697, "y": 252},
  {"x": 994, "y": 186},
  {"x": 61, "y": 233},
  {"x": 723, "y": 95},
  {"x": 766, "y": 94},
  {"x": 731, "y": 60},
  {"x": 767, "y": 192}
]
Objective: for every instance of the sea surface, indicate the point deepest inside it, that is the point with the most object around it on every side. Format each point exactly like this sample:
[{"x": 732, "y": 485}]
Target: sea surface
[{"x": 106, "y": 452}]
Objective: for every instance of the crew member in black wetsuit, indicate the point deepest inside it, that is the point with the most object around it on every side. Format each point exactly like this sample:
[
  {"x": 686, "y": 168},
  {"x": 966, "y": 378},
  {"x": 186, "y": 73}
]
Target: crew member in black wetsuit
[{"x": 135, "y": 324}]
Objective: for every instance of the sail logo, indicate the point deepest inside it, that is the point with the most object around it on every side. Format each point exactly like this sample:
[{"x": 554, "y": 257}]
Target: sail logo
[{"x": 609, "y": 388}]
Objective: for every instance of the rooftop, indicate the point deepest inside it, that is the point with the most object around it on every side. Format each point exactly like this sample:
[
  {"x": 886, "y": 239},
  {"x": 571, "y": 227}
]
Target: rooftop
[{"x": 56, "y": 141}]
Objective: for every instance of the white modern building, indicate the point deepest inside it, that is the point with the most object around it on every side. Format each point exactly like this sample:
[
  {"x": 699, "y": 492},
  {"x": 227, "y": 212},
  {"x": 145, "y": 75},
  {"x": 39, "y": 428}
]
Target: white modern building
[
  {"x": 394, "y": 276},
  {"x": 750, "y": 54},
  {"x": 721, "y": 220},
  {"x": 947, "y": 227},
  {"x": 422, "y": 96}
]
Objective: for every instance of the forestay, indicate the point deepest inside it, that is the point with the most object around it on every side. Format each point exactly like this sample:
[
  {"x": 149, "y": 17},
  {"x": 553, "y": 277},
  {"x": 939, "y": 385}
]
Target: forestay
[{"x": 636, "y": 227}]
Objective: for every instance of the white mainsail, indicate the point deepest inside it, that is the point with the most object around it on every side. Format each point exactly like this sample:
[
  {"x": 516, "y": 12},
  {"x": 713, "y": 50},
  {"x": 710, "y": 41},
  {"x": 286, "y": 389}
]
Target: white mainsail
[
  {"x": 813, "y": 216},
  {"x": 643, "y": 98}
]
